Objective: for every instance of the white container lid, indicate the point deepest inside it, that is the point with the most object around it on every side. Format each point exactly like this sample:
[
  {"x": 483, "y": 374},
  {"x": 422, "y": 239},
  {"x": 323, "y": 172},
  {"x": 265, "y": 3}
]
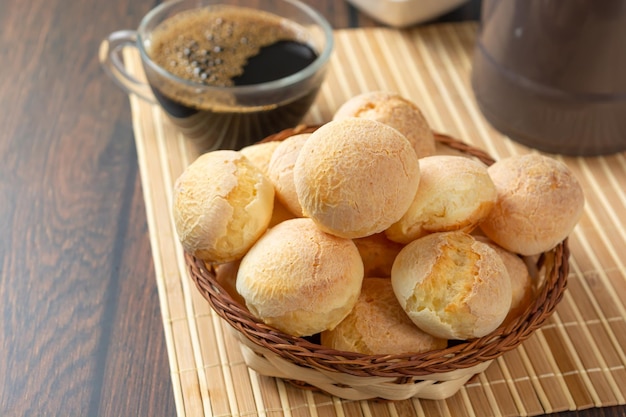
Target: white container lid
[{"x": 402, "y": 13}]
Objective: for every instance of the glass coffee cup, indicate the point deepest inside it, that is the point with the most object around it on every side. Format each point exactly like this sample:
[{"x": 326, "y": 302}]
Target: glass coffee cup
[{"x": 226, "y": 76}]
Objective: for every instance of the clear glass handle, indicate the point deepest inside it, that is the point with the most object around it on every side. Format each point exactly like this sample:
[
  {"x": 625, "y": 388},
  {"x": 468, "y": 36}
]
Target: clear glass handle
[{"x": 112, "y": 61}]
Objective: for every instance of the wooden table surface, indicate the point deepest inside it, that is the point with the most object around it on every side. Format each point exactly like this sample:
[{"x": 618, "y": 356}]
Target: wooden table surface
[{"x": 80, "y": 326}]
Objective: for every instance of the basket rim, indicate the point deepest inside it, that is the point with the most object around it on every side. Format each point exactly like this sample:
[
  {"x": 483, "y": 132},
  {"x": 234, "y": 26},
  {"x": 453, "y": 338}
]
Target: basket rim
[{"x": 460, "y": 355}]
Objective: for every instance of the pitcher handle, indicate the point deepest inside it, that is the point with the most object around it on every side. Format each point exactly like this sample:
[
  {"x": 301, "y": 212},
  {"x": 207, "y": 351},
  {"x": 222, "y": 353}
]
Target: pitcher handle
[{"x": 112, "y": 61}]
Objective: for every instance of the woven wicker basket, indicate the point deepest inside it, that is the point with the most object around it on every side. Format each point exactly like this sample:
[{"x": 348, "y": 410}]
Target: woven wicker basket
[{"x": 431, "y": 375}]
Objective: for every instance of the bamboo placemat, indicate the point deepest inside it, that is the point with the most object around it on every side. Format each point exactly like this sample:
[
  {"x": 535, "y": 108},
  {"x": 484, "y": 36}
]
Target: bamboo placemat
[{"x": 576, "y": 361}]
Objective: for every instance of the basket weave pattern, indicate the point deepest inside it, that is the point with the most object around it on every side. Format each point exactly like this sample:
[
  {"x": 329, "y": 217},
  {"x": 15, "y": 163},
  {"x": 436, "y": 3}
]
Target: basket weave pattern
[{"x": 435, "y": 374}]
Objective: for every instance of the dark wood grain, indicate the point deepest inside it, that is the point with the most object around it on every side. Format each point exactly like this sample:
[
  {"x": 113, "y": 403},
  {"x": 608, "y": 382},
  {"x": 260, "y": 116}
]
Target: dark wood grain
[{"x": 80, "y": 326}]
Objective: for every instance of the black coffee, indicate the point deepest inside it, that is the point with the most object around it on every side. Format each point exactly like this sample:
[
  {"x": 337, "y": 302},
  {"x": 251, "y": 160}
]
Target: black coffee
[{"x": 225, "y": 47}]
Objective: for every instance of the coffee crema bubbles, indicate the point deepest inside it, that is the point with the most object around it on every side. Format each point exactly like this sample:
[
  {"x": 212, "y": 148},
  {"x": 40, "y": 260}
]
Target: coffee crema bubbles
[{"x": 222, "y": 48}]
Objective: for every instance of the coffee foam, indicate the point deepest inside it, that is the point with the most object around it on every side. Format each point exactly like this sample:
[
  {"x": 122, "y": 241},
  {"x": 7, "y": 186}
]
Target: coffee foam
[{"x": 212, "y": 45}]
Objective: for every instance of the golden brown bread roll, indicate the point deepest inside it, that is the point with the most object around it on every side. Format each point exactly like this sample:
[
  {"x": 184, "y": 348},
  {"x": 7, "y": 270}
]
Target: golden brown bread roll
[
  {"x": 378, "y": 325},
  {"x": 451, "y": 285},
  {"x": 355, "y": 177},
  {"x": 393, "y": 110},
  {"x": 522, "y": 285},
  {"x": 280, "y": 213},
  {"x": 222, "y": 205},
  {"x": 378, "y": 254},
  {"x": 455, "y": 193},
  {"x": 280, "y": 171},
  {"x": 539, "y": 203},
  {"x": 299, "y": 279},
  {"x": 260, "y": 154}
]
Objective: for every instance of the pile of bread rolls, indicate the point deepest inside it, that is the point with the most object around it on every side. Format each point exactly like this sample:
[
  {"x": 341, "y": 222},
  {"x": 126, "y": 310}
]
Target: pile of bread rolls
[{"x": 362, "y": 233}]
